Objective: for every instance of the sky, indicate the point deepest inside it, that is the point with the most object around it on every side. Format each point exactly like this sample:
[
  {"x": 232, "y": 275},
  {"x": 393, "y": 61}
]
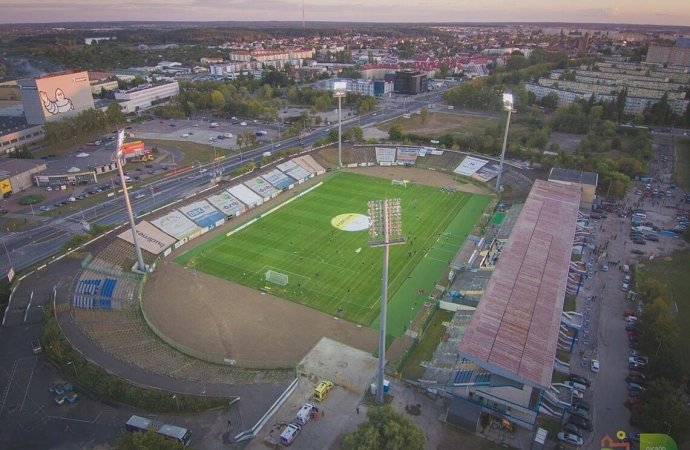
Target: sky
[{"x": 665, "y": 12}]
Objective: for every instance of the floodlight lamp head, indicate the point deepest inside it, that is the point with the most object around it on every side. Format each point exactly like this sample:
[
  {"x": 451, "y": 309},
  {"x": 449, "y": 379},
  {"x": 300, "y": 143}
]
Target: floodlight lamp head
[
  {"x": 340, "y": 88},
  {"x": 508, "y": 101}
]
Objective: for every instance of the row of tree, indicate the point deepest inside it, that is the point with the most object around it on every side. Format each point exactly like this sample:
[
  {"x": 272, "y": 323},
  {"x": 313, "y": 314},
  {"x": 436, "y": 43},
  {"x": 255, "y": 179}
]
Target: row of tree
[
  {"x": 662, "y": 407},
  {"x": 85, "y": 123}
]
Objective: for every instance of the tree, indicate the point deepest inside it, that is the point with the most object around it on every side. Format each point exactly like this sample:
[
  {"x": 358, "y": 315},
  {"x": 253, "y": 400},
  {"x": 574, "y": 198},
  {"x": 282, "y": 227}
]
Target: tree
[
  {"x": 385, "y": 430},
  {"x": 149, "y": 440},
  {"x": 353, "y": 134},
  {"x": 396, "y": 133},
  {"x": 662, "y": 407},
  {"x": 424, "y": 114},
  {"x": 217, "y": 100}
]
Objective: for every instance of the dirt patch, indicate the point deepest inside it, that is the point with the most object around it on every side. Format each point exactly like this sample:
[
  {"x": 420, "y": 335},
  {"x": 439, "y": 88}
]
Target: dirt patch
[
  {"x": 568, "y": 142},
  {"x": 441, "y": 123}
]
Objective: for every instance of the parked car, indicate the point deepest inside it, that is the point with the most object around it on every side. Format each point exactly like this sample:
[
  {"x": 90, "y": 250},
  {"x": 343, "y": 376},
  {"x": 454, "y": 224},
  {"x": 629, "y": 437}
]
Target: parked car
[
  {"x": 636, "y": 251},
  {"x": 572, "y": 429},
  {"x": 570, "y": 438},
  {"x": 579, "y": 379},
  {"x": 630, "y": 328},
  {"x": 632, "y": 373},
  {"x": 628, "y": 313},
  {"x": 581, "y": 423},
  {"x": 637, "y": 360},
  {"x": 594, "y": 366},
  {"x": 581, "y": 413},
  {"x": 635, "y": 387},
  {"x": 637, "y": 367},
  {"x": 44, "y": 208},
  {"x": 581, "y": 404},
  {"x": 636, "y": 380}
]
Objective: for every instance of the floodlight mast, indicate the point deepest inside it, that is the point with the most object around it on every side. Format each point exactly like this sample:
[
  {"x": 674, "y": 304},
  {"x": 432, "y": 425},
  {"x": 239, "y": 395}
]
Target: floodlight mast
[
  {"x": 508, "y": 106},
  {"x": 340, "y": 91},
  {"x": 118, "y": 156},
  {"x": 385, "y": 229}
]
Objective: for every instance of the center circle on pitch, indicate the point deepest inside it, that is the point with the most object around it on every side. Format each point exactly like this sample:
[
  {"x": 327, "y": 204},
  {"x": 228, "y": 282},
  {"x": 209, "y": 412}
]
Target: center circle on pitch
[{"x": 350, "y": 222}]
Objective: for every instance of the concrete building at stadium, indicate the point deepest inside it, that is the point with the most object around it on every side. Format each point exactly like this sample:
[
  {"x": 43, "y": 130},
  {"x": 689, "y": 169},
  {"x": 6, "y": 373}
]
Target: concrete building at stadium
[
  {"x": 55, "y": 96},
  {"x": 500, "y": 355},
  {"x": 587, "y": 181},
  {"x": 147, "y": 96}
]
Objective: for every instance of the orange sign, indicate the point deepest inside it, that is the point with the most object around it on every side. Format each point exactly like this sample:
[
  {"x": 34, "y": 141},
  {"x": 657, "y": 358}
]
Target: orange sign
[{"x": 132, "y": 147}]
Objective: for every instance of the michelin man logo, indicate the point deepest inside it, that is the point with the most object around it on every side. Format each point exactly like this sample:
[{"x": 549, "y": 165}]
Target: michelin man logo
[{"x": 60, "y": 105}]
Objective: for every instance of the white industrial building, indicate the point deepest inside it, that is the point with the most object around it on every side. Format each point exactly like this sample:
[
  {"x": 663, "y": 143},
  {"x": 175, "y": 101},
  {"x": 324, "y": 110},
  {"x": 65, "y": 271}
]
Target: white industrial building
[{"x": 146, "y": 96}]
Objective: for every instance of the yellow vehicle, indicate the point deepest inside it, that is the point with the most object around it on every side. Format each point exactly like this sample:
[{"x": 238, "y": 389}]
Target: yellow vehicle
[{"x": 322, "y": 390}]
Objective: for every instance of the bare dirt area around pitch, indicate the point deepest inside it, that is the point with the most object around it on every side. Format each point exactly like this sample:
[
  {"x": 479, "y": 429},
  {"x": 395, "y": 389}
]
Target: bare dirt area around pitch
[{"x": 228, "y": 320}]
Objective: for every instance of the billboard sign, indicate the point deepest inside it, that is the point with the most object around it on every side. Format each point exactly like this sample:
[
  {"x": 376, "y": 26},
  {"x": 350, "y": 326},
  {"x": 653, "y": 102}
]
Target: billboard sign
[
  {"x": 202, "y": 213},
  {"x": 226, "y": 203},
  {"x": 176, "y": 225},
  {"x": 64, "y": 95}
]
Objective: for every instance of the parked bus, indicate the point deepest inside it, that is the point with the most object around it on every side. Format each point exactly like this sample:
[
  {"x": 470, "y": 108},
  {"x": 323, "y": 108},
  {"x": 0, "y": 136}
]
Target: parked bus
[{"x": 142, "y": 424}]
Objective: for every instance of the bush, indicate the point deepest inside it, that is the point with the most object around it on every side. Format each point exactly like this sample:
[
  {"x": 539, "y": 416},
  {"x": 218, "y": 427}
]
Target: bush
[{"x": 31, "y": 199}]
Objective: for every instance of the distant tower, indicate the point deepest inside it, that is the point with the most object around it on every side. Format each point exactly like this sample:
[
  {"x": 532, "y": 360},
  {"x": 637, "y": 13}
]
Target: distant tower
[{"x": 303, "y": 26}]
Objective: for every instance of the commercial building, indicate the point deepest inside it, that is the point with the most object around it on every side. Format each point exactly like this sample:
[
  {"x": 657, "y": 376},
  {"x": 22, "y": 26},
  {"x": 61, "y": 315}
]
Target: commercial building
[
  {"x": 16, "y": 175},
  {"x": 146, "y": 96},
  {"x": 55, "y": 96},
  {"x": 410, "y": 82},
  {"x": 375, "y": 88}
]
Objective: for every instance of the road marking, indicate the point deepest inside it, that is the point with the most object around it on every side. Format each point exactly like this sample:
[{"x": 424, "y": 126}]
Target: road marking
[{"x": 26, "y": 391}]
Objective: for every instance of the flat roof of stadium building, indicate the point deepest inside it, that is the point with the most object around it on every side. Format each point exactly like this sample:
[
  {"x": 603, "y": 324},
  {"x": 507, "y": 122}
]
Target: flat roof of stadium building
[{"x": 514, "y": 331}]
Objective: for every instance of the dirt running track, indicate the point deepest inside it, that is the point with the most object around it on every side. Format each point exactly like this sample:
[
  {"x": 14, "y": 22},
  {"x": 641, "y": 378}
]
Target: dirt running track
[{"x": 231, "y": 321}]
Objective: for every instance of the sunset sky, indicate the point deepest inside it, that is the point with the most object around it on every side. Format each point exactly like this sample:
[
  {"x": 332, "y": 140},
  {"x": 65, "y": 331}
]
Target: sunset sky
[{"x": 667, "y": 12}]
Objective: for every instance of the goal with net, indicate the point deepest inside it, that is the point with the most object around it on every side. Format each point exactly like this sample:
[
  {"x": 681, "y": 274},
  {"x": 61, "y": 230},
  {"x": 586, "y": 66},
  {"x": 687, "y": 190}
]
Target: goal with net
[
  {"x": 277, "y": 278},
  {"x": 399, "y": 182}
]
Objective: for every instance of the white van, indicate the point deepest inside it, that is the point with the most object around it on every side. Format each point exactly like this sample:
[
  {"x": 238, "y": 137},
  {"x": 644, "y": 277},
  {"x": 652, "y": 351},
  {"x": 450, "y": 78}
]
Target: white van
[
  {"x": 304, "y": 414},
  {"x": 227, "y": 135},
  {"x": 127, "y": 178},
  {"x": 289, "y": 434},
  {"x": 185, "y": 134}
]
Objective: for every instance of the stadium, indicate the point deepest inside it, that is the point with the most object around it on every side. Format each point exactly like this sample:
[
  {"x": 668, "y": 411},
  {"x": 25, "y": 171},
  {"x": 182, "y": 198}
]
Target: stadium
[{"x": 209, "y": 305}]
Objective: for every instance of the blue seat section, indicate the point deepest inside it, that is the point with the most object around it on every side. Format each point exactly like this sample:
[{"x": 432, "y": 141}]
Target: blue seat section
[
  {"x": 483, "y": 378},
  {"x": 108, "y": 287},
  {"x": 106, "y": 304},
  {"x": 463, "y": 376},
  {"x": 80, "y": 301},
  {"x": 88, "y": 287}
]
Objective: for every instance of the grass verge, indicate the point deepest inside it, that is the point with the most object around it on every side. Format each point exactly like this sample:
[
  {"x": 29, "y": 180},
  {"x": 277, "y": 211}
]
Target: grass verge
[
  {"x": 681, "y": 169},
  {"x": 427, "y": 346},
  {"x": 673, "y": 272}
]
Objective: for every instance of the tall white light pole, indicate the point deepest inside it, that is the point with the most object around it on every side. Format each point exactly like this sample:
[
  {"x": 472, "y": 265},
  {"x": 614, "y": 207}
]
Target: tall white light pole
[
  {"x": 340, "y": 90},
  {"x": 118, "y": 156},
  {"x": 508, "y": 106},
  {"x": 385, "y": 229}
]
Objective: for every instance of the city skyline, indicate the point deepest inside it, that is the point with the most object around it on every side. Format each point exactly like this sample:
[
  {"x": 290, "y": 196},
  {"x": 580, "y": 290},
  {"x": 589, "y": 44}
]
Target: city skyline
[{"x": 670, "y": 13}]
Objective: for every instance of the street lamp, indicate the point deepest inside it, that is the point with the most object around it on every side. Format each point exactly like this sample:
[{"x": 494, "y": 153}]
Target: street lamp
[
  {"x": 385, "y": 229},
  {"x": 71, "y": 363},
  {"x": 508, "y": 106},
  {"x": 118, "y": 156},
  {"x": 340, "y": 90}
]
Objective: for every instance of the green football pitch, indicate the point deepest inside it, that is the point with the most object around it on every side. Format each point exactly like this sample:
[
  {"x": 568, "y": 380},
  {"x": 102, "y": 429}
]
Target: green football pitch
[{"x": 319, "y": 241}]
